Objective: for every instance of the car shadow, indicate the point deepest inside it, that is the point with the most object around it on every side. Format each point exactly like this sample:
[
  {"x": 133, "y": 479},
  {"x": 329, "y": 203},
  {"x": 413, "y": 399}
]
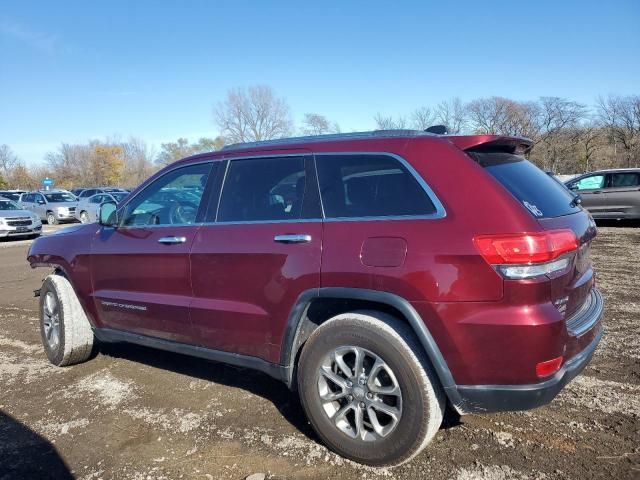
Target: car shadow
[
  {"x": 618, "y": 223},
  {"x": 26, "y": 454},
  {"x": 258, "y": 383}
]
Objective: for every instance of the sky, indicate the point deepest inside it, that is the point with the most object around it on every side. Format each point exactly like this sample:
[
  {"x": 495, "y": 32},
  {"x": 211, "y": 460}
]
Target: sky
[{"x": 71, "y": 71}]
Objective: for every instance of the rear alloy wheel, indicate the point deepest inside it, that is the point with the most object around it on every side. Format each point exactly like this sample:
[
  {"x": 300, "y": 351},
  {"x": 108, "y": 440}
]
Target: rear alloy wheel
[
  {"x": 84, "y": 217},
  {"x": 51, "y": 219},
  {"x": 360, "y": 393},
  {"x": 368, "y": 388}
]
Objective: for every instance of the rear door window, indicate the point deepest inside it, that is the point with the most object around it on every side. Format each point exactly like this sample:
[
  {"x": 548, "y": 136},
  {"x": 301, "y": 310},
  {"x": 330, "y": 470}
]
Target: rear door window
[
  {"x": 367, "y": 185},
  {"x": 625, "y": 179},
  {"x": 538, "y": 192}
]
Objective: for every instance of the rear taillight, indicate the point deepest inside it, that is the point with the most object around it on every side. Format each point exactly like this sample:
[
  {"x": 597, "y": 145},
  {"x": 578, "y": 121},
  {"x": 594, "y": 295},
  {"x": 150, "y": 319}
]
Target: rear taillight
[{"x": 528, "y": 255}]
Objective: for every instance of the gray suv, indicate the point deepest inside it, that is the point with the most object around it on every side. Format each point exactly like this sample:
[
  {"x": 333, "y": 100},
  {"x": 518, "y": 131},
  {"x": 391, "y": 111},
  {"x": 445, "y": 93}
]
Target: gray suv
[
  {"x": 53, "y": 206},
  {"x": 613, "y": 194}
]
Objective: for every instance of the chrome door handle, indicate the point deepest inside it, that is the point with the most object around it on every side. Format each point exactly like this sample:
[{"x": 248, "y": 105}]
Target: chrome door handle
[
  {"x": 172, "y": 240},
  {"x": 292, "y": 238}
]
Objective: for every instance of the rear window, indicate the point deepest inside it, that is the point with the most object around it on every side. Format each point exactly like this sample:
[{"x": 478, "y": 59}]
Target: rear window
[{"x": 537, "y": 191}]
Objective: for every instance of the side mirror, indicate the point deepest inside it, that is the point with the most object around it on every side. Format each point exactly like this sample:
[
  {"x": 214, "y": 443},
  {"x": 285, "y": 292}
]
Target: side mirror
[
  {"x": 573, "y": 187},
  {"x": 108, "y": 216}
]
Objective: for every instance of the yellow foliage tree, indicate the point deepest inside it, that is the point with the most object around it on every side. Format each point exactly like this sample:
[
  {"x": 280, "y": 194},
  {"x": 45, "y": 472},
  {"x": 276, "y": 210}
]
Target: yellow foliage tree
[{"x": 107, "y": 164}]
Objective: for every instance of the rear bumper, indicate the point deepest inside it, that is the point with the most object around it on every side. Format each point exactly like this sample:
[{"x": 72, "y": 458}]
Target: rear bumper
[{"x": 498, "y": 398}]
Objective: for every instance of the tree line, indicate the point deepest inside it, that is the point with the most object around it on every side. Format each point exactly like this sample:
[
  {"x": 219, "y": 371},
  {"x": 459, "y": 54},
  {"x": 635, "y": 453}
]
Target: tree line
[{"x": 568, "y": 137}]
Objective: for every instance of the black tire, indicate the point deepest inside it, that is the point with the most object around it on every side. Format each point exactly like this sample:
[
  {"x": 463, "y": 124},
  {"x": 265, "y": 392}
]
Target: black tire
[
  {"x": 51, "y": 219},
  {"x": 422, "y": 398},
  {"x": 75, "y": 335}
]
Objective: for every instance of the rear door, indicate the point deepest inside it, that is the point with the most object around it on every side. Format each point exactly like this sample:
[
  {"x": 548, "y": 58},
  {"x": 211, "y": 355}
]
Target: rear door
[
  {"x": 623, "y": 194},
  {"x": 259, "y": 250},
  {"x": 140, "y": 270}
]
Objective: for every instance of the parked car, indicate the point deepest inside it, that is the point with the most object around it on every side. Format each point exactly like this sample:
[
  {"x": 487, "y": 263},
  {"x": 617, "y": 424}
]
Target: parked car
[
  {"x": 382, "y": 276},
  {"x": 17, "y": 222},
  {"x": 77, "y": 191},
  {"x": 11, "y": 194},
  {"x": 613, "y": 194},
  {"x": 52, "y": 206},
  {"x": 88, "y": 207},
  {"x": 89, "y": 192}
]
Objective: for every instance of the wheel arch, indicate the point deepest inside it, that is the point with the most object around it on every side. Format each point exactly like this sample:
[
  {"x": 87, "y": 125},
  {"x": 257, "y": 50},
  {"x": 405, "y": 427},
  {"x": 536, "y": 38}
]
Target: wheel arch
[
  {"x": 331, "y": 301},
  {"x": 60, "y": 267}
]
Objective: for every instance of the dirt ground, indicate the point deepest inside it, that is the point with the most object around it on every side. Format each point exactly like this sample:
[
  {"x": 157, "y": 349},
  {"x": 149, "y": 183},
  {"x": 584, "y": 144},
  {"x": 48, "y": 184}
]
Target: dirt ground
[{"x": 137, "y": 413}]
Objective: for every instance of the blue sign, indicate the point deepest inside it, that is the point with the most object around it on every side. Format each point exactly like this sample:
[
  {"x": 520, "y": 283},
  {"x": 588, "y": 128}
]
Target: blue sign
[{"x": 47, "y": 182}]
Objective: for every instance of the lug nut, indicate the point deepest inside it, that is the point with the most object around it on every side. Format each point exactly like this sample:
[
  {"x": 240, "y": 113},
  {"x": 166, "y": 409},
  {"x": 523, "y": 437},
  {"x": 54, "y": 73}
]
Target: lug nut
[
  {"x": 349, "y": 384},
  {"x": 362, "y": 381},
  {"x": 350, "y": 397},
  {"x": 362, "y": 405},
  {"x": 369, "y": 395}
]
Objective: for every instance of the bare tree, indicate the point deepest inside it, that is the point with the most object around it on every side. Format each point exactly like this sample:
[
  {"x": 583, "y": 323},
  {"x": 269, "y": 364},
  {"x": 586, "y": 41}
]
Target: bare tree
[
  {"x": 621, "y": 117},
  {"x": 252, "y": 115},
  {"x": 138, "y": 161},
  {"x": 8, "y": 160},
  {"x": 589, "y": 141},
  {"x": 452, "y": 114},
  {"x": 316, "y": 124},
  {"x": 503, "y": 116},
  {"x": 388, "y": 122},
  {"x": 556, "y": 117},
  {"x": 423, "y": 118}
]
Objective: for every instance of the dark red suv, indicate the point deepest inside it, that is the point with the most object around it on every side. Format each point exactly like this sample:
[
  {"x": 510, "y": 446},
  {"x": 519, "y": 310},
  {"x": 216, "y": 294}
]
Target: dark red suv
[{"x": 382, "y": 275}]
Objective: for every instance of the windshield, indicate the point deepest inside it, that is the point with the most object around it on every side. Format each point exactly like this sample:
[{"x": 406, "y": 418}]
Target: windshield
[
  {"x": 8, "y": 205},
  {"x": 59, "y": 197},
  {"x": 539, "y": 193}
]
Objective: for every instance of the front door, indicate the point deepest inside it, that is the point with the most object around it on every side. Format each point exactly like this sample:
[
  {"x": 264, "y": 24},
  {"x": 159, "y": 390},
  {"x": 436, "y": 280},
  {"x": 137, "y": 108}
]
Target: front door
[
  {"x": 140, "y": 270},
  {"x": 251, "y": 262},
  {"x": 592, "y": 191}
]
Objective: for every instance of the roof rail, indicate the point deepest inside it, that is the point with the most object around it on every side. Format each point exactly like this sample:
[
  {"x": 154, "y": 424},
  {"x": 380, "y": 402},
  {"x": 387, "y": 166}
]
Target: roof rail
[{"x": 329, "y": 137}]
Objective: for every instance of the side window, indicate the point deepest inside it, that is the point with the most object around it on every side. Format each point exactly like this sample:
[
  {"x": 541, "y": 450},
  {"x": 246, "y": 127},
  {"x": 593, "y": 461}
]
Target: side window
[
  {"x": 264, "y": 189},
  {"x": 626, "y": 179},
  {"x": 39, "y": 198},
  {"x": 97, "y": 199},
  {"x": 173, "y": 199},
  {"x": 589, "y": 183},
  {"x": 369, "y": 186}
]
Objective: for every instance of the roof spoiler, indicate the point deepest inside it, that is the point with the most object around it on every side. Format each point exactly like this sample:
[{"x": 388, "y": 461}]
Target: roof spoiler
[{"x": 492, "y": 143}]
